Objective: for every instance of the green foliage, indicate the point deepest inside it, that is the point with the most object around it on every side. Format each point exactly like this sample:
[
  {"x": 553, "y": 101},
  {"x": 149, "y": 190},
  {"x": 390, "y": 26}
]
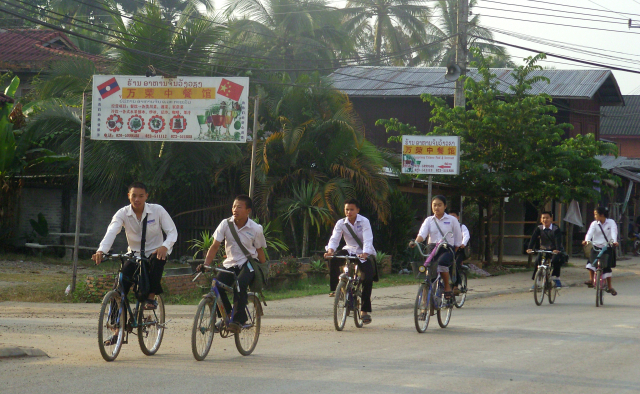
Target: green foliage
[
  {"x": 318, "y": 266},
  {"x": 392, "y": 236},
  {"x": 203, "y": 245},
  {"x": 291, "y": 265},
  {"x": 40, "y": 227},
  {"x": 274, "y": 242}
]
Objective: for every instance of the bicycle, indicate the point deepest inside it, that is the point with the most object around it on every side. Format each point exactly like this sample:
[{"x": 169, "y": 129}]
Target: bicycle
[
  {"x": 211, "y": 307},
  {"x": 430, "y": 296},
  {"x": 348, "y": 294},
  {"x": 117, "y": 317},
  {"x": 542, "y": 283},
  {"x": 600, "y": 283},
  {"x": 462, "y": 273}
]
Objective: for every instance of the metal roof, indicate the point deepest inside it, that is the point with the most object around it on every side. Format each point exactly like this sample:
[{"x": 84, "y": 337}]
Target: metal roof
[
  {"x": 622, "y": 120},
  {"x": 611, "y": 162},
  {"x": 370, "y": 81}
]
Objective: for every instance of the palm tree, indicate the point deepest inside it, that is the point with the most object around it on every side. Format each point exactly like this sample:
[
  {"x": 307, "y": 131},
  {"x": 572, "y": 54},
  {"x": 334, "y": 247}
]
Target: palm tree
[
  {"x": 393, "y": 22},
  {"x": 447, "y": 28},
  {"x": 306, "y": 201},
  {"x": 287, "y": 34}
]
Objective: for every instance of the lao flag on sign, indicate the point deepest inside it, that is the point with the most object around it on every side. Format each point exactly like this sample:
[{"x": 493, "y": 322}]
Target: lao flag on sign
[
  {"x": 230, "y": 89},
  {"x": 108, "y": 88}
]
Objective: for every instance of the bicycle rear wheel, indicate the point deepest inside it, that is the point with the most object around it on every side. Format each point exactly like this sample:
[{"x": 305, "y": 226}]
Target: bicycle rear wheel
[
  {"x": 111, "y": 325},
  {"x": 599, "y": 291},
  {"x": 151, "y": 327},
  {"x": 340, "y": 307},
  {"x": 247, "y": 339},
  {"x": 552, "y": 291},
  {"x": 460, "y": 299},
  {"x": 203, "y": 328},
  {"x": 421, "y": 309},
  {"x": 538, "y": 287}
]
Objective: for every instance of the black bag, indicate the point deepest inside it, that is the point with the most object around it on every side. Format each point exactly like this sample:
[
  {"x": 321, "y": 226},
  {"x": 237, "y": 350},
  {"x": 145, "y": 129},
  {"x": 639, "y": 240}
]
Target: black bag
[
  {"x": 142, "y": 285},
  {"x": 613, "y": 258}
]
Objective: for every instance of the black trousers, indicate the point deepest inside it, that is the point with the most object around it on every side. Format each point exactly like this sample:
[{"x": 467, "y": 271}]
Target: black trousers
[
  {"x": 155, "y": 269},
  {"x": 460, "y": 257},
  {"x": 556, "y": 264},
  {"x": 367, "y": 269},
  {"x": 240, "y": 298}
]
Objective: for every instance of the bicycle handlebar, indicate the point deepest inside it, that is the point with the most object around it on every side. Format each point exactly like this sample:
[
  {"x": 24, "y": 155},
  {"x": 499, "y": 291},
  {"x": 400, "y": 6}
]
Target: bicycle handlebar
[
  {"x": 541, "y": 251},
  {"x": 344, "y": 257}
]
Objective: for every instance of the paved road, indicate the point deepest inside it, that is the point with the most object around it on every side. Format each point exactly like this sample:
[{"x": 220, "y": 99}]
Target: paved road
[{"x": 495, "y": 344}]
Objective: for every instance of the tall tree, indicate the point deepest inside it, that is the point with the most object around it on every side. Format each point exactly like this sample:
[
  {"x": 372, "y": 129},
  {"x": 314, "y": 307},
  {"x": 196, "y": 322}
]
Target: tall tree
[
  {"x": 446, "y": 28},
  {"x": 393, "y": 21}
]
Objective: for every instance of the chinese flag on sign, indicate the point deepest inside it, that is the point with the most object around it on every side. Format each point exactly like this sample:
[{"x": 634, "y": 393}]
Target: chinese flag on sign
[{"x": 230, "y": 89}]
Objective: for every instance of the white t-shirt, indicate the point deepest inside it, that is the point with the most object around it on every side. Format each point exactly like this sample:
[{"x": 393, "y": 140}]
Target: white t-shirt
[
  {"x": 362, "y": 228},
  {"x": 447, "y": 223},
  {"x": 250, "y": 234},
  {"x": 594, "y": 234},
  {"x": 158, "y": 220}
]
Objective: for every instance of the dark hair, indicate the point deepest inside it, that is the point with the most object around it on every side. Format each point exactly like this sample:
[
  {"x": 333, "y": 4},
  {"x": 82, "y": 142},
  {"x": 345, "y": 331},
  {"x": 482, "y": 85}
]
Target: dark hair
[
  {"x": 441, "y": 198},
  {"x": 454, "y": 213},
  {"x": 137, "y": 185},
  {"x": 248, "y": 203},
  {"x": 546, "y": 213},
  {"x": 353, "y": 201},
  {"x": 603, "y": 211}
]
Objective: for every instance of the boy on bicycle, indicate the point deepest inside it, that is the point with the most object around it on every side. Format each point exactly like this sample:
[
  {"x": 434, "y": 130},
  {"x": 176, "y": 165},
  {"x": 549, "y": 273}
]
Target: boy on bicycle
[
  {"x": 357, "y": 234},
  {"x": 435, "y": 228},
  {"x": 460, "y": 253},
  {"x": 239, "y": 256},
  {"x": 601, "y": 232},
  {"x": 156, "y": 248},
  {"x": 550, "y": 238}
]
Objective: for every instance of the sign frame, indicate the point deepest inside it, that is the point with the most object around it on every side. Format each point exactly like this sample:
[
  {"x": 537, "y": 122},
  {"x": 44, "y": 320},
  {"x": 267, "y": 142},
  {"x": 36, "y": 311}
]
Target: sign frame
[{"x": 432, "y": 149}]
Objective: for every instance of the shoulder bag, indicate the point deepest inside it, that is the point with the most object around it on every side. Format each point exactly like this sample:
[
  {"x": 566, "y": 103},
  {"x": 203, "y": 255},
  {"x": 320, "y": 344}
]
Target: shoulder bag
[
  {"x": 361, "y": 245},
  {"x": 260, "y": 270}
]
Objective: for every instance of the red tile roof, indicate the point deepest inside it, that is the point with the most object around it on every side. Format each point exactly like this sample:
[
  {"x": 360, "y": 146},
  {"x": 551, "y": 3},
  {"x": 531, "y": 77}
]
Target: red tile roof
[{"x": 33, "y": 49}]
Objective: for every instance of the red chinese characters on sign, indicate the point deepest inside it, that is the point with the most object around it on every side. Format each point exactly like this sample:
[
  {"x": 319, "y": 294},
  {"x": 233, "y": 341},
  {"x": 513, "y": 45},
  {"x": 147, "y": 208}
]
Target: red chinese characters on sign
[{"x": 178, "y": 124}]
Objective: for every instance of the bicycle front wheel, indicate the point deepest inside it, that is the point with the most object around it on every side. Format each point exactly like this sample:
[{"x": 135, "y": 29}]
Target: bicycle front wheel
[
  {"x": 599, "y": 291},
  {"x": 203, "y": 328},
  {"x": 552, "y": 290},
  {"x": 357, "y": 306},
  {"x": 151, "y": 327},
  {"x": 111, "y": 325},
  {"x": 460, "y": 299},
  {"x": 247, "y": 339},
  {"x": 421, "y": 309},
  {"x": 445, "y": 308},
  {"x": 340, "y": 307},
  {"x": 538, "y": 287}
]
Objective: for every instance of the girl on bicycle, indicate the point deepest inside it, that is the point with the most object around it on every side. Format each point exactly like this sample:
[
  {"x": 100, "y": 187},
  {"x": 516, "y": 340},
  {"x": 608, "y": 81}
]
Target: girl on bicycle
[
  {"x": 435, "y": 228},
  {"x": 601, "y": 232}
]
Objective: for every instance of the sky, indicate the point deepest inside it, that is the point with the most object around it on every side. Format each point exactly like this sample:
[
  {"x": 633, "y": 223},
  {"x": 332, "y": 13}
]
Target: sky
[{"x": 597, "y": 27}]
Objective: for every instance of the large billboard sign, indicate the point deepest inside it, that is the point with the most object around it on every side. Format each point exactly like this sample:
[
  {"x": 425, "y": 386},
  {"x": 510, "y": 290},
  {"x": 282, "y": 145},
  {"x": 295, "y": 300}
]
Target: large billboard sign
[
  {"x": 433, "y": 155},
  {"x": 201, "y": 109}
]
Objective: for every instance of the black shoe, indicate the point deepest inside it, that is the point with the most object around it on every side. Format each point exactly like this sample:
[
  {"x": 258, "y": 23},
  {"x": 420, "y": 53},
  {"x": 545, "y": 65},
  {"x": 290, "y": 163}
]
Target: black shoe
[{"x": 234, "y": 327}]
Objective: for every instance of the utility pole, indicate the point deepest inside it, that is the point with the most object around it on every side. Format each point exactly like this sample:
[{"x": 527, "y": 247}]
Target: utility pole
[
  {"x": 461, "y": 51},
  {"x": 76, "y": 241},
  {"x": 633, "y": 26},
  {"x": 252, "y": 176}
]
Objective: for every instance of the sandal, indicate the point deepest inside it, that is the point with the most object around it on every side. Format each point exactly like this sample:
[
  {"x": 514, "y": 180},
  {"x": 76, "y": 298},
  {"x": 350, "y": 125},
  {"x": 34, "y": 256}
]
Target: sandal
[
  {"x": 612, "y": 291},
  {"x": 366, "y": 318},
  {"x": 332, "y": 294},
  {"x": 456, "y": 291},
  {"x": 111, "y": 341},
  {"x": 448, "y": 295},
  {"x": 150, "y": 304},
  {"x": 588, "y": 283}
]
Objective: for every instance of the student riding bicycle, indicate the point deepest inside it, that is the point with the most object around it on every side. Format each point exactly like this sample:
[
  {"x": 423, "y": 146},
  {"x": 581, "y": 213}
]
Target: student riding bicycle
[
  {"x": 550, "y": 238},
  {"x": 434, "y": 228},
  {"x": 601, "y": 232},
  {"x": 357, "y": 234},
  {"x": 239, "y": 256},
  {"x": 141, "y": 220}
]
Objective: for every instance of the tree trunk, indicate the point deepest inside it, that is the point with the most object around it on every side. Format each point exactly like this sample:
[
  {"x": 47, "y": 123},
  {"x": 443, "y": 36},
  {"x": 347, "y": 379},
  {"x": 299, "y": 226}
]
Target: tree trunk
[
  {"x": 305, "y": 237},
  {"x": 489, "y": 247},
  {"x": 481, "y": 241},
  {"x": 295, "y": 239},
  {"x": 501, "y": 232},
  {"x": 378, "y": 40}
]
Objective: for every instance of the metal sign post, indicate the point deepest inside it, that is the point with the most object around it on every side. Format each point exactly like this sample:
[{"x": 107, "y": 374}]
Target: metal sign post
[
  {"x": 256, "y": 107},
  {"x": 76, "y": 242}
]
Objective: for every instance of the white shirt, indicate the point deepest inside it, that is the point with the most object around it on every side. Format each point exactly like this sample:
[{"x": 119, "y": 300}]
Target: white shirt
[
  {"x": 595, "y": 234},
  {"x": 447, "y": 223},
  {"x": 361, "y": 227},
  {"x": 465, "y": 235},
  {"x": 250, "y": 234},
  {"x": 158, "y": 220}
]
